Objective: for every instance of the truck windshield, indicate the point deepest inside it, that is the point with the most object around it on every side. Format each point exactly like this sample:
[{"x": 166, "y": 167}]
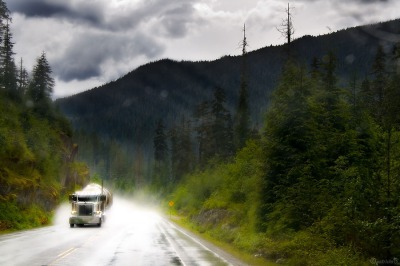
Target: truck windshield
[{"x": 87, "y": 198}]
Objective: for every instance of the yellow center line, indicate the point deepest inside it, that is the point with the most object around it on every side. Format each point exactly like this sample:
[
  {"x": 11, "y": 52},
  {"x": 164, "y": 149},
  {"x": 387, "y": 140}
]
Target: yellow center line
[
  {"x": 62, "y": 255},
  {"x": 69, "y": 251},
  {"x": 65, "y": 252}
]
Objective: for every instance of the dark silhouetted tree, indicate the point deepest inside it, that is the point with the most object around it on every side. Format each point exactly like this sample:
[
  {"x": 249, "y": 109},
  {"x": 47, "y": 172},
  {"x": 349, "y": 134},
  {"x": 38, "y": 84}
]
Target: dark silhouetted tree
[
  {"x": 182, "y": 157},
  {"x": 160, "y": 143},
  {"x": 222, "y": 125},
  {"x": 204, "y": 122},
  {"x": 22, "y": 79},
  {"x": 7, "y": 64},
  {"x": 242, "y": 119},
  {"x": 286, "y": 27},
  {"x": 41, "y": 86}
]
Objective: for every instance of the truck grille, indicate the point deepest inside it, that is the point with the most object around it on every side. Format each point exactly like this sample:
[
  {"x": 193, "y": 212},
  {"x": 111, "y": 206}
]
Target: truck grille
[{"x": 85, "y": 210}]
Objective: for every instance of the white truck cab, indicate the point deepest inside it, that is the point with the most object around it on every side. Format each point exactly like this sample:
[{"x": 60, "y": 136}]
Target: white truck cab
[{"x": 89, "y": 205}]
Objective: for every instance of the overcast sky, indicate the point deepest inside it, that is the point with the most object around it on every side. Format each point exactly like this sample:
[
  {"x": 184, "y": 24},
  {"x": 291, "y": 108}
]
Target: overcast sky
[{"x": 91, "y": 42}]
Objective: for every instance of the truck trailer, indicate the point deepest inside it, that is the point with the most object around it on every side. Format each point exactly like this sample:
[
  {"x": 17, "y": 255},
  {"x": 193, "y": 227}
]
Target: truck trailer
[{"x": 89, "y": 205}]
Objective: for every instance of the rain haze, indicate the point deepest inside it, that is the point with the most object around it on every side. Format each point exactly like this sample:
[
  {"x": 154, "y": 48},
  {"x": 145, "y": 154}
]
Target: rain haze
[{"x": 89, "y": 43}]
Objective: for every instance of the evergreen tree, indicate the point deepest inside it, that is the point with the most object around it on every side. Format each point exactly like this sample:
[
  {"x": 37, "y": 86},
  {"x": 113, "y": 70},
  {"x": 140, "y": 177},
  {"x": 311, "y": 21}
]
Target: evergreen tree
[
  {"x": 182, "y": 159},
  {"x": 315, "y": 68},
  {"x": 160, "y": 143},
  {"x": 41, "y": 86},
  {"x": 204, "y": 121},
  {"x": 22, "y": 79},
  {"x": 214, "y": 129},
  {"x": 288, "y": 141},
  {"x": 379, "y": 83},
  {"x": 4, "y": 14},
  {"x": 7, "y": 64},
  {"x": 366, "y": 96},
  {"x": 161, "y": 173},
  {"x": 222, "y": 128},
  {"x": 242, "y": 119}
]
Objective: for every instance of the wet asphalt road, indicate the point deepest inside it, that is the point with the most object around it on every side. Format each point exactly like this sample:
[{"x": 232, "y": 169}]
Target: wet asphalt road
[{"x": 130, "y": 236}]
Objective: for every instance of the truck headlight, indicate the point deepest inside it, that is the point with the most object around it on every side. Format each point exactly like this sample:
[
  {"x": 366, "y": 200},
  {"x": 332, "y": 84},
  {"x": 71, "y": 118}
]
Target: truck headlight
[{"x": 73, "y": 212}]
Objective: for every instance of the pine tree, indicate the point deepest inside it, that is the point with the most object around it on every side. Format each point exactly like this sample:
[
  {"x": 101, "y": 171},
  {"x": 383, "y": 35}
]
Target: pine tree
[
  {"x": 379, "y": 83},
  {"x": 242, "y": 119},
  {"x": 41, "y": 86},
  {"x": 182, "y": 159},
  {"x": 315, "y": 68},
  {"x": 22, "y": 79},
  {"x": 161, "y": 168},
  {"x": 4, "y": 14},
  {"x": 7, "y": 64},
  {"x": 288, "y": 142},
  {"x": 222, "y": 126},
  {"x": 204, "y": 122},
  {"x": 160, "y": 143}
]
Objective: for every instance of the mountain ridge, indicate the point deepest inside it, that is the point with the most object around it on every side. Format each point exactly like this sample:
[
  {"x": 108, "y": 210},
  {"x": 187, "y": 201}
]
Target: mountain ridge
[{"x": 127, "y": 109}]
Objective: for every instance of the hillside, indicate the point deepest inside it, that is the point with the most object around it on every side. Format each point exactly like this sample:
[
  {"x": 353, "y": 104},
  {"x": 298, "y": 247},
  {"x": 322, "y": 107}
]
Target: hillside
[{"x": 128, "y": 108}]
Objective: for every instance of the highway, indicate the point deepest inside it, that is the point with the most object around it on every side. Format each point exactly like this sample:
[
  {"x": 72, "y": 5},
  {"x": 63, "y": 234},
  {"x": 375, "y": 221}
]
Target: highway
[{"x": 130, "y": 236}]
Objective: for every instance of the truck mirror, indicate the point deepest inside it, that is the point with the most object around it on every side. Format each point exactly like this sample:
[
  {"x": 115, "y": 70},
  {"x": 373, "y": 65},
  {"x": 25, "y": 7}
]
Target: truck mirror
[{"x": 72, "y": 198}]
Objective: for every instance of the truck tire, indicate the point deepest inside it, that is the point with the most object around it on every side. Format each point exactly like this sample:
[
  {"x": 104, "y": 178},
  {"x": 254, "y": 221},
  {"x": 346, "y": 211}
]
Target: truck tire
[
  {"x": 71, "y": 225},
  {"x": 99, "y": 224}
]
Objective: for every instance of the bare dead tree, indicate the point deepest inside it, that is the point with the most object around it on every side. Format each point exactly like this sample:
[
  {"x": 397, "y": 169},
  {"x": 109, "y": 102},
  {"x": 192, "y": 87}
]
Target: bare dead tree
[{"x": 286, "y": 27}]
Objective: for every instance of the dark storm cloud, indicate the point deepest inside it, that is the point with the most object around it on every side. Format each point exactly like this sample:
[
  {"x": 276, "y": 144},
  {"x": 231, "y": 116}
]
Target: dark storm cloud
[
  {"x": 174, "y": 16},
  {"x": 36, "y": 8},
  {"x": 89, "y": 54},
  {"x": 57, "y": 9},
  {"x": 110, "y": 31}
]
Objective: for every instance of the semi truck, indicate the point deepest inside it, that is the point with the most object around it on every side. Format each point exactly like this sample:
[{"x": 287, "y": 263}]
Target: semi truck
[{"x": 89, "y": 205}]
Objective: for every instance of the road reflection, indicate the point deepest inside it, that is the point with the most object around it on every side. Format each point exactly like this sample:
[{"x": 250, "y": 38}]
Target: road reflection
[{"x": 131, "y": 235}]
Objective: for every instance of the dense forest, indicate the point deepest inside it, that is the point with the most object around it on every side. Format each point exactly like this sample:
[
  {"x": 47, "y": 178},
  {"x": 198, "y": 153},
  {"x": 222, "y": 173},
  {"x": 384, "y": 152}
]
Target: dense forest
[
  {"x": 321, "y": 184},
  {"x": 290, "y": 153},
  {"x": 37, "y": 154}
]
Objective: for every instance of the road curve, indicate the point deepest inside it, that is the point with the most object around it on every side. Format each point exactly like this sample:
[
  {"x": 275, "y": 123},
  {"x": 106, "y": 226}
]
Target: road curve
[{"x": 130, "y": 236}]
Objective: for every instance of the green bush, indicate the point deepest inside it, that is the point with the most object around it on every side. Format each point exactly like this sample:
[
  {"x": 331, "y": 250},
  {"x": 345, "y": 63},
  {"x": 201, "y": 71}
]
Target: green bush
[{"x": 13, "y": 217}]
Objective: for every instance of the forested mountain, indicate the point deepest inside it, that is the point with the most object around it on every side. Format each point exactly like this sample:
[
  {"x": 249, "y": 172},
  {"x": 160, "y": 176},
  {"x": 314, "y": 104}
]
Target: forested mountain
[{"x": 127, "y": 109}]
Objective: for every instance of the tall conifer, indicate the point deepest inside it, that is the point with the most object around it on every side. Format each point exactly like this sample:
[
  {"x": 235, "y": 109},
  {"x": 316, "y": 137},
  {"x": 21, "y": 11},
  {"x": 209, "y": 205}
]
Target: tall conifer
[
  {"x": 41, "y": 86},
  {"x": 7, "y": 64},
  {"x": 242, "y": 119}
]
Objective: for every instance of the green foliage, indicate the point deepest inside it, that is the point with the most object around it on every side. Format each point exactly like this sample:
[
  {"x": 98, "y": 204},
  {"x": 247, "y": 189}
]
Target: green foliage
[
  {"x": 318, "y": 188},
  {"x": 214, "y": 132},
  {"x": 36, "y": 154},
  {"x": 15, "y": 217},
  {"x": 307, "y": 248},
  {"x": 225, "y": 197},
  {"x": 30, "y": 161}
]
